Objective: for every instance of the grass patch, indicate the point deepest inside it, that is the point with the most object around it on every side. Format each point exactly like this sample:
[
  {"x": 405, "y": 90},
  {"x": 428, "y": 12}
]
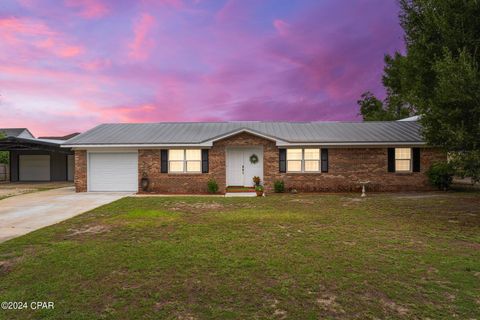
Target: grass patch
[{"x": 281, "y": 257}]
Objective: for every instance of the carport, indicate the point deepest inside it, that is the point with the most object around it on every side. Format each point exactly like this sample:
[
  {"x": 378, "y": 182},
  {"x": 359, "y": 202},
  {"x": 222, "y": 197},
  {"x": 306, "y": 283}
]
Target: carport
[{"x": 33, "y": 159}]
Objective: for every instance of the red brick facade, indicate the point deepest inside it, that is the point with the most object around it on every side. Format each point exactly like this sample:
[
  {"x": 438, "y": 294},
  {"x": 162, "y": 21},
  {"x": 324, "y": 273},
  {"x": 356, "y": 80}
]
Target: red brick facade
[
  {"x": 80, "y": 171},
  {"x": 347, "y": 166}
]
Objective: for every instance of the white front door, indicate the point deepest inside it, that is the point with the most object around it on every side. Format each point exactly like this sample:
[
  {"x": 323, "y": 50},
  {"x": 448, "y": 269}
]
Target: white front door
[{"x": 240, "y": 168}]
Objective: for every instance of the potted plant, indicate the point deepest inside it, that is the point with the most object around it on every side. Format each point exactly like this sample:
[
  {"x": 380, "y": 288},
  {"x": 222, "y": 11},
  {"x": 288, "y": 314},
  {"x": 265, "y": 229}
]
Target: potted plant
[
  {"x": 144, "y": 182},
  {"x": 259, "y": 190},
  {"x": 256, "y": 181}
]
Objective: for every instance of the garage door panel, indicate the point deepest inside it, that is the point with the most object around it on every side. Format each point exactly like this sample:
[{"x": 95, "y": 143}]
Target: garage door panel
[
  {"x": 113, "y": 172},
  {"x": 34, "y": 167}
]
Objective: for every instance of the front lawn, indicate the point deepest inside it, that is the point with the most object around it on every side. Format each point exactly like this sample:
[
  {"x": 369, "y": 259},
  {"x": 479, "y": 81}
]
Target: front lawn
[{"x": 279, "y": 257}]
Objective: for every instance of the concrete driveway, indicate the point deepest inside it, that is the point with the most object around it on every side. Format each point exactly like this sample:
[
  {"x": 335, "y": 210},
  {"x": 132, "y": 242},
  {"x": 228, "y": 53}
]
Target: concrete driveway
[{"x": 28, "y": 212}]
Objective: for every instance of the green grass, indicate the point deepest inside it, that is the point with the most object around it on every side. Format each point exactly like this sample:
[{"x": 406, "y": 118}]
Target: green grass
[{"x": 279, "y": 257}]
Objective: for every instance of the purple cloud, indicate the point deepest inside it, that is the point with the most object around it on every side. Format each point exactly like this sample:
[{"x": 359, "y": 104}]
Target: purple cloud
[{"x": 69, "y": 66}]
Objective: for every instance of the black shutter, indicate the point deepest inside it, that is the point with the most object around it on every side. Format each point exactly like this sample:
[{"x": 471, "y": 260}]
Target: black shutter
[
  {"x": 282, "y": 162},
  {"x": 204, "y": 160},
  {"x": 416, "y": 159},
  {"x": 164, "y": 161},
  {"x": 324, "y": 160},
  {"x": 391, "y": 159}
]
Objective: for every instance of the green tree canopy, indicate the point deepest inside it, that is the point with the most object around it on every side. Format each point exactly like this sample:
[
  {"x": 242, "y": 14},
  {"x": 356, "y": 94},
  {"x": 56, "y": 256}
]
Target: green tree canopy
[{"x": 439, "y": 76}]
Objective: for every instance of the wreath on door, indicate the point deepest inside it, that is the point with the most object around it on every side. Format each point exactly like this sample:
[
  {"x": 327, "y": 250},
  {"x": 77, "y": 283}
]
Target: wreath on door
[{"x": 253, "y": 158}]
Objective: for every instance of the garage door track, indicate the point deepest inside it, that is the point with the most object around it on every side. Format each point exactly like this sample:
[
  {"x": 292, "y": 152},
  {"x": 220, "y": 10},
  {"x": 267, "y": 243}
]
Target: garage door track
[{"x": 28, "y": 212}]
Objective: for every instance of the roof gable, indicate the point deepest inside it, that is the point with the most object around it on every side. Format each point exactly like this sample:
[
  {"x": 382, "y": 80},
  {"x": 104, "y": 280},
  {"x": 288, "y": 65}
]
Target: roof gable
[{"x": 17, "y": 132}]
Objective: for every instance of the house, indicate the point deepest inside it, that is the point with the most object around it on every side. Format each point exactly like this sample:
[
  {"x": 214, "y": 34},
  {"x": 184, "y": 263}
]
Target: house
[
  {"x": 36, "y": 159},
  {"x": 307, "y": 156}
]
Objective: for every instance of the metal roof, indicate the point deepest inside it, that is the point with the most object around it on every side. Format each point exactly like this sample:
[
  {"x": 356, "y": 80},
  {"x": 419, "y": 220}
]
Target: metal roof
[
  {"x": 283, "y": 132},
  {"x": 16, "y": 132}
]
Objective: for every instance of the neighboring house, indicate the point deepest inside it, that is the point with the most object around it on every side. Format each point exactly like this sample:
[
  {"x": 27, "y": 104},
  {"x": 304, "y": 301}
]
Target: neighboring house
[
  {"x": 308, "y": 156},
  {"x": 36, "y": 159}
]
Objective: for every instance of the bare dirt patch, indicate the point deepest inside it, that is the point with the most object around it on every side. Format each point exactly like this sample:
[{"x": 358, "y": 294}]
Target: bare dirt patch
[
  {"x": 329, "y": 303},
  {"x": 388, "y": 304},
  {"x": 278, "y": 313},
  {"x": 6, "y": 266},
  {"x": 196, "y": 207},
  {"x": 96, "y": 229},
  {"x": 304, "y": 201}
]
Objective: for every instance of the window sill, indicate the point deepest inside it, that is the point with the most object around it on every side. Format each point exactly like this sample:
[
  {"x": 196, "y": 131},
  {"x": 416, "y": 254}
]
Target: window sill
[
  {"x": 185, "y": 173},
  {"x": 404, "y": 173},
  {"x": 306, "y": 172}
]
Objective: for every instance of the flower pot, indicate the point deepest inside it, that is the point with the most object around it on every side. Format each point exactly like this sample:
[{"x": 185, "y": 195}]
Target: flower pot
[
  {"x": 259, "y": 193},
  {"x": 144, "y": 184}
]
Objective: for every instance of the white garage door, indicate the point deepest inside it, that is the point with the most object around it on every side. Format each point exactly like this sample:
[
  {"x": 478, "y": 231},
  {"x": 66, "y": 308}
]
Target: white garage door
[
  {"x": 113, "y": 172},
  {"x": 34, "y": 167}
]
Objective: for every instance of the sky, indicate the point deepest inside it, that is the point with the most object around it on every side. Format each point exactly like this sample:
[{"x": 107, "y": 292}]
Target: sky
[{"x": 69, "y": 65}]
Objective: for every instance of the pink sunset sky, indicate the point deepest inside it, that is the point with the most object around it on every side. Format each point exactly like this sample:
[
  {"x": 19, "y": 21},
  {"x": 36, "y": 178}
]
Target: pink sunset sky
[{"x": 68, "y": 65}]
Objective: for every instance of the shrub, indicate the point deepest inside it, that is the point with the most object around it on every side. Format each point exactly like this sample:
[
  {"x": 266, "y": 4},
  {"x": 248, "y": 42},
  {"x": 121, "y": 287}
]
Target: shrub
[
  {"x": 279, "y": 186},
  {"x": 212, "y": 186},
  {"x": 440, "y": 174}
]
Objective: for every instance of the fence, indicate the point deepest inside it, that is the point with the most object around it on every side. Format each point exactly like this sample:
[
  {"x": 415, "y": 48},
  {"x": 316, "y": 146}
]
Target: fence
[{"x": 3, "y": 172}]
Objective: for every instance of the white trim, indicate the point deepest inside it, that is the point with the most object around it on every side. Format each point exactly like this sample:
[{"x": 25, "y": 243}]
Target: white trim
[
  {"x": 247, "y": 131},
  {"x": 350, "y": 144},
  {"x": 137, "y": 146},
  {"x": 279, "y": 143},
  {"x": 184, "y": 161},
  {"x": 302, "y": 161},
  {"x": 410, "y": 169},
  {"x": 253, "y": 148}
]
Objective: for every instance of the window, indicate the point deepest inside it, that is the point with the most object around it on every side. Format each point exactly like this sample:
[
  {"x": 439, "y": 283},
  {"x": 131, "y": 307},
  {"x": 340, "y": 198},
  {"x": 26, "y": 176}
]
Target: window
[
  {"x": 184, "y": 160},
  {"x": 294, "y": 160},
  {"x": 312, "y": 160},
  {"x": 403, "y": 159},
  {"x": 303, "y": 160}
]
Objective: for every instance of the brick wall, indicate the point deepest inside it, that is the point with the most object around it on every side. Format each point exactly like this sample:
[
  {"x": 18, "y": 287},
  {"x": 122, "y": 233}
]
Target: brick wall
[
  {"x": 149, "y": 162},
  {"x": 80, "y": 170},
  {"x": 347, "y": 166}
]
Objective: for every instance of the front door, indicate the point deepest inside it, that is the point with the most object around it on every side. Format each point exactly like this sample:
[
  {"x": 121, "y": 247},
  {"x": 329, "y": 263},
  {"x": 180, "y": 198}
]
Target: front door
[{"x": 240, "y": 167}]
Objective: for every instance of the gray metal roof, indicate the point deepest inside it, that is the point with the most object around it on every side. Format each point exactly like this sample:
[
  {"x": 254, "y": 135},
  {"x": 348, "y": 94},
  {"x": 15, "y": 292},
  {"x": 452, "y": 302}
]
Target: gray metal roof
[
  {"x": 16, "y": 132},
  {"x": 286, "y": 132}
]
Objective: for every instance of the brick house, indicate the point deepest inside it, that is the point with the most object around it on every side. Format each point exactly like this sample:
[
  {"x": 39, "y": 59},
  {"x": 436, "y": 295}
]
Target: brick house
[{"x": 307, "y": 156}]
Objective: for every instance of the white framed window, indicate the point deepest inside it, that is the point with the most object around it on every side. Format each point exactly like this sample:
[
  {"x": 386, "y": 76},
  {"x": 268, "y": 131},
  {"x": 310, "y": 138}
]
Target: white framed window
[
  {"x": 303, "y": 160},
  {"x": 185, "y": 160},
  {"x": 294, "y": 160},
  {"x": 312, "y": 160},
  {"x": 403, "y": 159}
]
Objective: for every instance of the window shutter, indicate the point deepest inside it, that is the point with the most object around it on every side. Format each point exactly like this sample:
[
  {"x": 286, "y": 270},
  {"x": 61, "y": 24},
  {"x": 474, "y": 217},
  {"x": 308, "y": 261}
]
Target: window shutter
[
  {"x": 282, "y": 160},
  {"x": 416, "y": 159},
  {"x": 324, "y": 160},
  {"x": 391, "y": 159},
  {"x": 164, "y": 161},
  {"x": 204, "y": 160}
]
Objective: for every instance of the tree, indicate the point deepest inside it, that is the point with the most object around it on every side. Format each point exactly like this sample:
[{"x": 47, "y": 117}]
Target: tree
[
  {"x": 373, "y": 109},
  {"x": 394, "y": 106},
  {"x": 439, "y": 75},
  {"x": 4, "y": 155}
]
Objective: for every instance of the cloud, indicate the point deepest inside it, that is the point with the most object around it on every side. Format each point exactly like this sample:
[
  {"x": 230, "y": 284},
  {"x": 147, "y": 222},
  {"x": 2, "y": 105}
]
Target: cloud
[
  {"x": 68, "y": 68},
  {"x": 89, "y": 9},
  {"x": 34, "y": 38},
  {"x": 142, "y": 43},
  {"x": 281, "y": 26}
]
